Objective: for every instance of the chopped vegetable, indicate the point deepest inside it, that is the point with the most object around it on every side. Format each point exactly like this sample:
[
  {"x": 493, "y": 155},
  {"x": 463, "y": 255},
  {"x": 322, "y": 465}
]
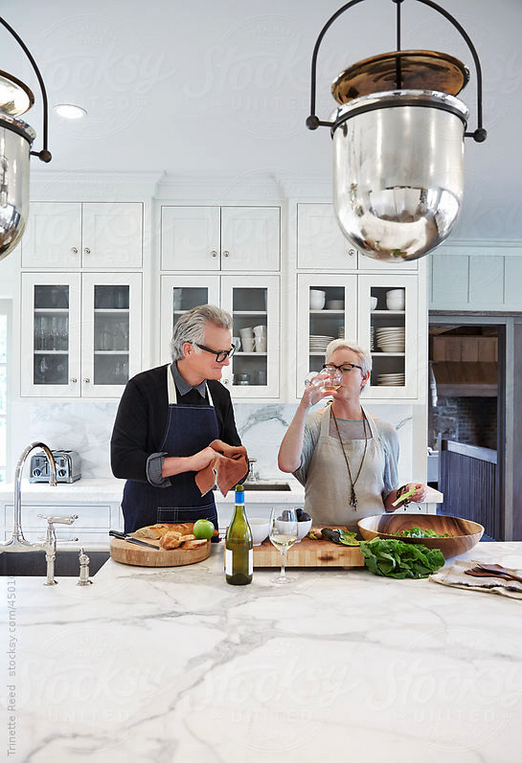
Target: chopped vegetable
[
  {"x": 418, "y": 532},
  {"x": 396, "y": 559}
]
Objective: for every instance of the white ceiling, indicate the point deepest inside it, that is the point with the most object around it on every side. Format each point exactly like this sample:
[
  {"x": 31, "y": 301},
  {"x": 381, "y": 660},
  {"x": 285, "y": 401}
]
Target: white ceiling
[{"x": 205, "y": 89}]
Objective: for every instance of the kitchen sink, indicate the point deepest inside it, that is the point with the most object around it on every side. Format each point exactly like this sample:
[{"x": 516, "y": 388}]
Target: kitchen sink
[
  {"x": 261, "y": 485},
  {"x": 32, "y": 563}
]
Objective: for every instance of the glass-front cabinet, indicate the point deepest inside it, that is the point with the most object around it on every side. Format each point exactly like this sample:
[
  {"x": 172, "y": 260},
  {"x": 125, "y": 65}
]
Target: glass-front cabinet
[
  {"x": 388, "y": 327},
  {"x": 327, "y": 310},
  {"x": 82, "y": 333},
  {"x": 378, "y": 312},
  {"x": 179, "y": 294},
  {"x": 254, "y": 305}
]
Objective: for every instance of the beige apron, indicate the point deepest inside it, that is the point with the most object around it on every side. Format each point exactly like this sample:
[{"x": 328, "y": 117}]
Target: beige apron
[{"x": 328, "y": 488}]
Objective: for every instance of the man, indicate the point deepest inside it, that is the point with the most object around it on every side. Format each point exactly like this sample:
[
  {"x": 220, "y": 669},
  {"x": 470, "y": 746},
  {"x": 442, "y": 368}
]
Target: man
[{"x": 166, "y": 420}]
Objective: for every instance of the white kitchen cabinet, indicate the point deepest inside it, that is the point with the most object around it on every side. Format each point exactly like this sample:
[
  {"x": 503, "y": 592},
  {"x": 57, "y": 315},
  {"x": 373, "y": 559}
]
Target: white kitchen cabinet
[
  {"x": 476, "y": 275},
  {"x": 348, "y": 313},
  {"x": 81, "y": 334},
  {"x": 391, "y": 332},
  {"x": 92, "y": 526},
  {"x": 253, "y": 301},
  {"x": 89, "y": 235},
  {"x": 179, "y": 294},
  {"x": 321, "y": 245},
  {"x": 220, "y": 238},
  {"x": 317, "y": 327}
]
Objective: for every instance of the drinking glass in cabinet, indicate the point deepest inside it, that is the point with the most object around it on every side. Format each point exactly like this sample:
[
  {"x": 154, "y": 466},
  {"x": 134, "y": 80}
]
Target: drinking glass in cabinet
[
  {"x": 51, "y": 296},
  {"x": 111, "y": 297},
  {"x": 50, "y": 369}
]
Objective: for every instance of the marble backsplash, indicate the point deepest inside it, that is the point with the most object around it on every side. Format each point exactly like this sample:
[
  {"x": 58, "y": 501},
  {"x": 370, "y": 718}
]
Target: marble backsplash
[{"x": 85, "y": 426}]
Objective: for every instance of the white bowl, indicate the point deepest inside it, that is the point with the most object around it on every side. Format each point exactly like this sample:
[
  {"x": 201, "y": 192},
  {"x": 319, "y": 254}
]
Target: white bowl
[
  {"x": 259, "y": 527},
  {"x": 317, "y": 299},
  {"x": 373, "y": 303},
  {"x": 335, "y": 304},
  {"x": 394, "y": 303},
  {"x": 303, "y": 528}
]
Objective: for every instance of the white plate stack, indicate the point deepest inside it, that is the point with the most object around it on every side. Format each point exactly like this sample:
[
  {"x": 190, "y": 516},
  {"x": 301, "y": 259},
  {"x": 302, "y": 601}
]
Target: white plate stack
[
  {"x": 372, "y": 338},
  {"x": 390, "y": 339},
  {"x": 319, "y": 343},
  {"x": 391, "y": 380}
]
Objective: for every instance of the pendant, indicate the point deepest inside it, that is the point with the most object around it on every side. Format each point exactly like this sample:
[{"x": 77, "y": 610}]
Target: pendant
[{"x": 353, "y": 499}]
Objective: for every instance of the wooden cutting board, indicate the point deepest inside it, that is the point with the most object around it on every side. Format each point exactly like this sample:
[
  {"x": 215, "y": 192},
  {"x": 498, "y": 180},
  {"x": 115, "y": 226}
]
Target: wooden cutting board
[
  {"x": 309, "y": 553},
  {"x": 141, "y": 556}
]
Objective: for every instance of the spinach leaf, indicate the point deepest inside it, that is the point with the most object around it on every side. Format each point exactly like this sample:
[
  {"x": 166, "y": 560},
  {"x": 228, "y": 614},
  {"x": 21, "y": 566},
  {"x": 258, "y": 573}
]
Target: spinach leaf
[{"x": 396, "y": 559}]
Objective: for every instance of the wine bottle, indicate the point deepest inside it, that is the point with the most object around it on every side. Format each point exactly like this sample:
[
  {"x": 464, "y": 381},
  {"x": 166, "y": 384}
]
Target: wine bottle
[{"x": 239, "y": 554}]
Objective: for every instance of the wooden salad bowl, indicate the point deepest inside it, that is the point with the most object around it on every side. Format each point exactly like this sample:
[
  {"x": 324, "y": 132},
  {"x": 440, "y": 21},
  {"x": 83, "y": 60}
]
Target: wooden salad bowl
[{"x": 464, "y": 533}]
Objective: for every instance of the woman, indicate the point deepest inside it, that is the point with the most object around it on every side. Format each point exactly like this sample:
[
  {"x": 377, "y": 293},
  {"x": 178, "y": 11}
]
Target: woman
[{"x": 345, "y": 458}]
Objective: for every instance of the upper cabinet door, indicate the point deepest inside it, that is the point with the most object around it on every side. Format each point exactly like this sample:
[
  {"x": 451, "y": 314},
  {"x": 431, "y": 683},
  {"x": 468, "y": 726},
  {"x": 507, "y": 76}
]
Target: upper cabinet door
[
  {"x": 112, "y": 235},
  {"x": 190, "y": 238},
  {"x": 320, "y": 243},
  {"x": 53, "y": 236},
  {"x": 250, "y": 238}
]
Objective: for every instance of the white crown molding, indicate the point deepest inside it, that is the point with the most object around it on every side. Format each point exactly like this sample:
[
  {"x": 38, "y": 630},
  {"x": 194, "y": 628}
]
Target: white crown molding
[
  {"x": 259, "y": 186},
  {"x": 78, "y": 185}
]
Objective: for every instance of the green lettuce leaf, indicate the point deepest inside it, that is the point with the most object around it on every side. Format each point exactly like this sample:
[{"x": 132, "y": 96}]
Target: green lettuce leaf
[{"x": 396, "y": 559}]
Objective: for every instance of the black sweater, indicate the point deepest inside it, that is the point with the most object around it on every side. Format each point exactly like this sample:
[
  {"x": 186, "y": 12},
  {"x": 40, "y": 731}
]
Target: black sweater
[{"x": 142, "y": 417}]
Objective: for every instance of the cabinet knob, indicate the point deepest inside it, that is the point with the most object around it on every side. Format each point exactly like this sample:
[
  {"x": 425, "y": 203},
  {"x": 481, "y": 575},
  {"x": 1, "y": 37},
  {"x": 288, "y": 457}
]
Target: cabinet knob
[
  {"x": 225, "y": 254},
  {"x": 213, "y": 253},
  {"x": 74, "y": 250},
  {"x": 74, "y": 379},
  {"x": 86, "y": 380},
  {"x": 350, "y": 252},
  {"x": 87, "y": 250}
]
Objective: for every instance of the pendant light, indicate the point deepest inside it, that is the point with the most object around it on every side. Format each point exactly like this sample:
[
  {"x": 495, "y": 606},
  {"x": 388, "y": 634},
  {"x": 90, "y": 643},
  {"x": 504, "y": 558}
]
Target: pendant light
[
  {"x": 16, "y": 140},
  {"x": 398, "y": 144}
]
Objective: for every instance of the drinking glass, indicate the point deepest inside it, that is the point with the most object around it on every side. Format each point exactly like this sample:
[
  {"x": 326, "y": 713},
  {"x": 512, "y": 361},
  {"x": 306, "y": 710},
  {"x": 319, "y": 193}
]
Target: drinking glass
[
  {"x": 330, "y": 380},
  {"x": 282, "y": 535}
]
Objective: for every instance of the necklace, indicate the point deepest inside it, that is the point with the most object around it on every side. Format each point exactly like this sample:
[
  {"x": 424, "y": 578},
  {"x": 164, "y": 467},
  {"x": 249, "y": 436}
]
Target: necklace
[{"x": 353, "y": 495}]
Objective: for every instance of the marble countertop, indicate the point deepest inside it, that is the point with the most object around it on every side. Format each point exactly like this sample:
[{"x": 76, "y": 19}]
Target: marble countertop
[{"x": 171, "y": 665}]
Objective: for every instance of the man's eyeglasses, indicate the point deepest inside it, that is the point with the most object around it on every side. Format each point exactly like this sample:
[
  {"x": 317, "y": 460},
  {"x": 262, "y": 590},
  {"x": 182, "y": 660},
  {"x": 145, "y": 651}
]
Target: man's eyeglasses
[
  {"x": 346, "y": 368},
  {"x": 221, "y": 355}
]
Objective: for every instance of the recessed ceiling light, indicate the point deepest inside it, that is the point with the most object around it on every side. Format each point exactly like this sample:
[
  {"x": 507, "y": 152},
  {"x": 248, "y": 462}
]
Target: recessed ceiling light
[{"x": 69, "y": 111}]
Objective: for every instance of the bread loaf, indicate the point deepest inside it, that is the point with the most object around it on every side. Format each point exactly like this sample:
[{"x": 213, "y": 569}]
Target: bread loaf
[
  {"x": 159, "y": 530},
  {"x": 171, "y": 540}
]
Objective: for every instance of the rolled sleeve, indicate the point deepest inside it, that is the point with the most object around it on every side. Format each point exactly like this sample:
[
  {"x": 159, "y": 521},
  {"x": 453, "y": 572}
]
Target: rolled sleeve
[{"x": 154, "y": 468}]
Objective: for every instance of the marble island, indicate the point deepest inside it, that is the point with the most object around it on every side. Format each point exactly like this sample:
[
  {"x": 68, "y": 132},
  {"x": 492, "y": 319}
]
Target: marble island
[{"x": 174, "y": 665}]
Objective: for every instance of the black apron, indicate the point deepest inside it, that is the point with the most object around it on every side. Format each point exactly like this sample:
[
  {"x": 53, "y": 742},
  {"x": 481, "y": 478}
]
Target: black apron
[{"x": 189, "y": 429}]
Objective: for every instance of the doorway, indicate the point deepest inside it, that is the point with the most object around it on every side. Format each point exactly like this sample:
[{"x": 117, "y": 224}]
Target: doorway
[{"x": 466, "y": 416}]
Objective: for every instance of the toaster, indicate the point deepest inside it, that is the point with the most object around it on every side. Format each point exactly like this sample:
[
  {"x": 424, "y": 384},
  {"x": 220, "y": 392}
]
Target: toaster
[{"x": 68, "y": 466}]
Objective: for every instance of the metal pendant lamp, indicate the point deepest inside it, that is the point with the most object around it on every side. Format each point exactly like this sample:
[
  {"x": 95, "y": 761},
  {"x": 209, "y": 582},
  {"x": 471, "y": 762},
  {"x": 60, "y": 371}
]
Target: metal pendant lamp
[
  {"x": 16, "y": 140},
  {"x": 398, "y": 145}
]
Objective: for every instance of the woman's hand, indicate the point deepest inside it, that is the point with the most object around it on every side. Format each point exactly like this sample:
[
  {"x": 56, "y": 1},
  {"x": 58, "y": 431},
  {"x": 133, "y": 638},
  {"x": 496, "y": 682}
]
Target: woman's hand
[
  {"x": 418, "y": 496},
  {"x": 420, "y": 493},
  {"x": 314, "y": 390}
]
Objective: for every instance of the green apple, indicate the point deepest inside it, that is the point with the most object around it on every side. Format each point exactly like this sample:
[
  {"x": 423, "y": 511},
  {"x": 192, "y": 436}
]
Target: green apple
[{"x": 203, "y": 528}]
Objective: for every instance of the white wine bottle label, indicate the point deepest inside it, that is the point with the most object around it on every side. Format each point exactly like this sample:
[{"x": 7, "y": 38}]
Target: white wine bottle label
[{"x": 228, "y": 561}]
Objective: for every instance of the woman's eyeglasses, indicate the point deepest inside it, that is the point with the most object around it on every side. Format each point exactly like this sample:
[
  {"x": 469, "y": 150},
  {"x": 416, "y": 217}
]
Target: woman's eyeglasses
[
  {"x": 221, "y": 355},
  {"x": 346, "y": 368}
]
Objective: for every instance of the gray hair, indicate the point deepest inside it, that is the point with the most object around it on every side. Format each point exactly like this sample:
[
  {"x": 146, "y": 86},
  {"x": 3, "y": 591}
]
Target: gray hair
[
  {"x": 365, "y": 358},
  {"x": 192, "y": 325}
]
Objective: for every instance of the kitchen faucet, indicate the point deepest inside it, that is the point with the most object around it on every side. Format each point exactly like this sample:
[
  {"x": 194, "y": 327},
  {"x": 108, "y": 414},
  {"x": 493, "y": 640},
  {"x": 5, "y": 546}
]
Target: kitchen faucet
[{"x": 17, "y": 542}]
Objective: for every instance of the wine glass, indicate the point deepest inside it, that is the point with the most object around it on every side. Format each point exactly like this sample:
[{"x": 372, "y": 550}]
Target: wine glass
[{"x": 282, "y": 535}]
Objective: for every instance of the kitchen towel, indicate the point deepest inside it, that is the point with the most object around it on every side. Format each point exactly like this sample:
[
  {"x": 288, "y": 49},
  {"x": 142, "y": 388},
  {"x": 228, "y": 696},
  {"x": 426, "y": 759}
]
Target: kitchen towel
[
  {"x": 455, "y": 576},
  {"x": 225, "y": 470}
]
